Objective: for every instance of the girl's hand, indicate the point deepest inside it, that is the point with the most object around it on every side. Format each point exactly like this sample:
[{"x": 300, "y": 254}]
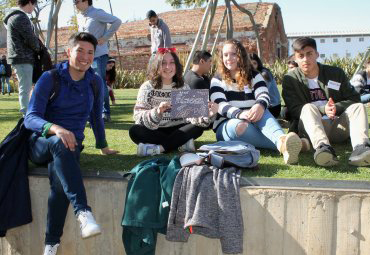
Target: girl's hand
[{"x": 163, "y": 106}]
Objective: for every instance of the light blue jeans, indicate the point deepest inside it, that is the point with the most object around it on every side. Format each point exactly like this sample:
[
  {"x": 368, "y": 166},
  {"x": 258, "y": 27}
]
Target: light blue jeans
[
  {"x": 24, "y": 75},
  {"x": 4, "y": 80},
  {"x": 100, "y": 66},
  {"x": 365, "y": 98},
  {"x": 264, "y": 133}
]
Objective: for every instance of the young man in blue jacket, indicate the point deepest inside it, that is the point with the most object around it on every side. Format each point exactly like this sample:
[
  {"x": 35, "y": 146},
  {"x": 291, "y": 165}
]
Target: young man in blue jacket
[
  {"x": 58, "y": 127},
  {"x": 95, "y": 21}
]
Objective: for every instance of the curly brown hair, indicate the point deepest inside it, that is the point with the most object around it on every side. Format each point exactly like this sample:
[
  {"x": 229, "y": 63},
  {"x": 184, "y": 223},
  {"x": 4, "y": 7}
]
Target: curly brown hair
[
  {"x": 154, "y": 75},
  {"x": 243, "y": 76}
]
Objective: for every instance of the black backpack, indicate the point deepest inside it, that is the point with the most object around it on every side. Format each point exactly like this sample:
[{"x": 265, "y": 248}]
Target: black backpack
[{"x": 42, "y": 62}]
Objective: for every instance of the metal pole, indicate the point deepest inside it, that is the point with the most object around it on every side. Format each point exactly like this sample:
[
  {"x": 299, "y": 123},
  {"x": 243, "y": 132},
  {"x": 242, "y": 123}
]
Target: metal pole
[
  {"x": 191, "y": 55},
  {"x": 218, "y": 33},
  {"x": 209, "y": 24},
  {"x": 230, "y": 24},
  {"x": 50, "y": 25},
  {"x": 115, "y": 35},
  {"x": 56, "y": 42},
  {"x": 362, "y": 61},
  {"x": 255, "y": 28}
]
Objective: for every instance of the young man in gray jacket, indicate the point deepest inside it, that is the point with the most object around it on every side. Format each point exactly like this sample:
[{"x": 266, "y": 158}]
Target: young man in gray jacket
[
  {"x": 22, "y": 45},
  {"x": 159, "y": 32},
  {"x": 95, "y": 21},
  {"x": 324, "y": 106}
]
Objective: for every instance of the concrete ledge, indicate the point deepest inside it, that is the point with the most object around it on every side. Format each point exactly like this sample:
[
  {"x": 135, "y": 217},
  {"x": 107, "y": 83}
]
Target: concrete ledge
[{"x": 317, "y": 217}]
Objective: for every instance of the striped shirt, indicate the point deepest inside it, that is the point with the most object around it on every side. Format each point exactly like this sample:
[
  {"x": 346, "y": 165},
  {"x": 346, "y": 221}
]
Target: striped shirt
[{"x": 232, "y": 101}]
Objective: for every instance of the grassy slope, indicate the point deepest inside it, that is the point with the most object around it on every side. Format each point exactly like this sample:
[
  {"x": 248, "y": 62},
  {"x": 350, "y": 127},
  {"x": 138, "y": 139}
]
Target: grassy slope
[{"x": 271, "y": 163}]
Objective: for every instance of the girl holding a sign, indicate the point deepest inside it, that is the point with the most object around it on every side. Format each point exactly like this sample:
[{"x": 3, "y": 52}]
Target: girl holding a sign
[
  {"x": 155, "y": 131},
  {"x": 243, "y": 98}
]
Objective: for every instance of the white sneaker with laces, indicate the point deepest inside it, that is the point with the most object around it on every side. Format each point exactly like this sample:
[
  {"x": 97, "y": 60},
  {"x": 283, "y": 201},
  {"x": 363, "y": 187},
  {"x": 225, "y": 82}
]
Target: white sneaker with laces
[
  {"x": 88, "y": 225},
  {"x": 189, "y": 146},
  {"x": 147, "y": 149},
  {"x": 51, "y": 249}
]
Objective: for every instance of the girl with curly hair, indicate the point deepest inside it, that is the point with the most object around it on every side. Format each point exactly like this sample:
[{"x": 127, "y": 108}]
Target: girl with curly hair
[
  {"x": 243, "y": 98},
  {"x": 154, "y": 131}
]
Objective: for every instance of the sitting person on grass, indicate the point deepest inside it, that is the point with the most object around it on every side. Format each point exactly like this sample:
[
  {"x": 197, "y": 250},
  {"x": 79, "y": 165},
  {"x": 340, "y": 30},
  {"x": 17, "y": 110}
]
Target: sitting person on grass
[
  {"x": 154, "y": 131},
  {"x": 325, "y": 107},
  {"x": 361, "y": 82},
  {"x": 243, "y": 99},
  {"x": 197, "y": 77},
  {"x": 275, "y": 101}
]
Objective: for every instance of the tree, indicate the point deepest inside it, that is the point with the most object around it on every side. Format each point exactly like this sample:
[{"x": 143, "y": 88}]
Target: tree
[
  {"x": 229, "y": 32},
  {"x": 5, "y": 4}
]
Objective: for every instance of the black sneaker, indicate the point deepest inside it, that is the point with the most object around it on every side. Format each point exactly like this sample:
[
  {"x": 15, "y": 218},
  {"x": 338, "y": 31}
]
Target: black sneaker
[
  {"x": 360, "y": 155},
  {"x": 325, "y": 156}
]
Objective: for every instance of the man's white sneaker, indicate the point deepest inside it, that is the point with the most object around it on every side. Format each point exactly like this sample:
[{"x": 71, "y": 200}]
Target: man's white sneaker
[
  {"x": 88, "y": 225},
  {"x": 290, "y": 146},
  {"x": 189, "y": 146},
  {"x": 51, "y": 249},
  {"x": 147, "y": 149}
]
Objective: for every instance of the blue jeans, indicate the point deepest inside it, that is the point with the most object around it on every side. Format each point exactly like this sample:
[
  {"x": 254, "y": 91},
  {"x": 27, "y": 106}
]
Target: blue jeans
[
  {"x": 24, "y": 75},
  {"x": 264, "y": 133},
  {"x": 66, "y": 185},
  {"x": 365, "y": 98},
  {"x": 100, "y": 66},
  {"x": 4, "y": 80}
]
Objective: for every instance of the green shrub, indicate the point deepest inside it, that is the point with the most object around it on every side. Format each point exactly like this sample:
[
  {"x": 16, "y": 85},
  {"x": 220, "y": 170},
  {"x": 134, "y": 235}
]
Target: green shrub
[
  {"x": 280, "y": 67},
  {"x": 130, "y": 79}
]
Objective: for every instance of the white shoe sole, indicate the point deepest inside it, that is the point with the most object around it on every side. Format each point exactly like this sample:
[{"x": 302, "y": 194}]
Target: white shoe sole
[
  {"x": 293, "y": 146},
  {"x": 361, "y": 160},
  {"x": 92, "y": 233},
  {"x": 325, "y": 159}
]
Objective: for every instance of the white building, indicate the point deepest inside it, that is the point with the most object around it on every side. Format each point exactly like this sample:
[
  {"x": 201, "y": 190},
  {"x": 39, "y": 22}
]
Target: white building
[{"x": 334, "y": 44}]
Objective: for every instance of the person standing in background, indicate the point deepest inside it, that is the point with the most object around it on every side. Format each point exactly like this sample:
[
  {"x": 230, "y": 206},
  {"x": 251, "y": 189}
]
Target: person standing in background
[
  {"x": 95, "y": 21},
  {"x": 5, "y": 73},
  {"x": 22, "y": 44}
]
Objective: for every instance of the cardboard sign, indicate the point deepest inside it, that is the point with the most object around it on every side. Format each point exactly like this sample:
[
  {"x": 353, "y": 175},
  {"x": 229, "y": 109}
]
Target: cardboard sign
[{"x": 189, "y": 103}]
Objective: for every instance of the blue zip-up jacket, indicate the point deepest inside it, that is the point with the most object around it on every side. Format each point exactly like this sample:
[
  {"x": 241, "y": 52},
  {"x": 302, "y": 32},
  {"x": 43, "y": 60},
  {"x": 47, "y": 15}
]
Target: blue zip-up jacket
[
  {"x": 95, "y": 21},
  {"x": 71, "y": 109}
]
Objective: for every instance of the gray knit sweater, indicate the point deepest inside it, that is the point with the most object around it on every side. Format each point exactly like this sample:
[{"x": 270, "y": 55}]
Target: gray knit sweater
[
  {"x": 22, "y": 42},
  {"x": 207, "y": 199}
]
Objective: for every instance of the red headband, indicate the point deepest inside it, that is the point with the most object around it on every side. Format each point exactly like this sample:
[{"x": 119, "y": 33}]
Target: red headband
[{"x": 166, "y": 50}]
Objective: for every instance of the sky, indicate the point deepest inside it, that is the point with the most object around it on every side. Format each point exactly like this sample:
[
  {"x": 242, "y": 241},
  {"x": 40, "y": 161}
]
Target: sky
[{"x": 298, "y": 15}]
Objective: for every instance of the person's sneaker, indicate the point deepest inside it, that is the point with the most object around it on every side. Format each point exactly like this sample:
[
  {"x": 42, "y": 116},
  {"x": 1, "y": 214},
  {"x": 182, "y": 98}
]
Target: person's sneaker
[
  {"x": 147, "y": 149},
  {"x": 188, "y": 146},
  {"x": 360, "y": 155},
  {"x": 88, "y": 225},
  {"x": 325, "y": 156},
  {"x": 306, "y": 146},
  {"x": 51, "y": 249},
  {"x": 106, "y": 117},
  {"x": 290, "y": 146}
]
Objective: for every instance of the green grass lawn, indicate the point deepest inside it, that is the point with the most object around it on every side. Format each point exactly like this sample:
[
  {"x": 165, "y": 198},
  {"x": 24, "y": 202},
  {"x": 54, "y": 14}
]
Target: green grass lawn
[{"x": 271, "y": 163}]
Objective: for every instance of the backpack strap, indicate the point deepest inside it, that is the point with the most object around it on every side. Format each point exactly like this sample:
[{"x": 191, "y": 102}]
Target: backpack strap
[{"x": 56, "y": 85}]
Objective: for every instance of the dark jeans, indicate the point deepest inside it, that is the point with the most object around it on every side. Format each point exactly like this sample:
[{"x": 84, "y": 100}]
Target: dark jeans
[
  {"x": 66, "y": 185},
  {"x": 170, "y": 138},
  {"x": 100, "y": 66},
  {"x": 275, "y": 110}
]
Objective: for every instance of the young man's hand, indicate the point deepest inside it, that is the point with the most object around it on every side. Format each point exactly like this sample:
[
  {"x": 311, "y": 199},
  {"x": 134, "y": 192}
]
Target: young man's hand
[
  {"x": 107, "y": 151},
  {"x": 330, "y": 109},
  {"x": 67, "y": 137},
  {"x": 101, "y": 41}
]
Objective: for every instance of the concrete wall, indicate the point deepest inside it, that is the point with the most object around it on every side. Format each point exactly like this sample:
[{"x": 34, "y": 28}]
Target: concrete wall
[{"x": 277, "y": 221}]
